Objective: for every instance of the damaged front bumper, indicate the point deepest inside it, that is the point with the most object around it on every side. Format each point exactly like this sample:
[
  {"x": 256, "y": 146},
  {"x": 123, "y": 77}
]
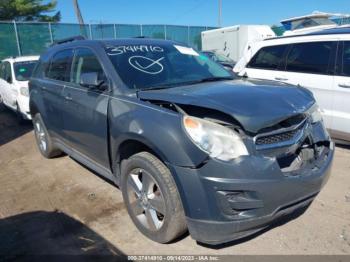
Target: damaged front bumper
[{"x": 225, "y": 201}]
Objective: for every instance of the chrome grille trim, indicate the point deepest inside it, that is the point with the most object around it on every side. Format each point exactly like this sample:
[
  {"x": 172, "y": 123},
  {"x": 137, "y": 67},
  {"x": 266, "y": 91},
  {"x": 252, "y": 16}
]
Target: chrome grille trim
[{"x": 281, "y": 137}]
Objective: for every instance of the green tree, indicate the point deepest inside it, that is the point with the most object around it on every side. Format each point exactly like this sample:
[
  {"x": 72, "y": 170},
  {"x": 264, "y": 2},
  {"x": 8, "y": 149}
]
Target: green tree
[{"x": 29, "y": 10}]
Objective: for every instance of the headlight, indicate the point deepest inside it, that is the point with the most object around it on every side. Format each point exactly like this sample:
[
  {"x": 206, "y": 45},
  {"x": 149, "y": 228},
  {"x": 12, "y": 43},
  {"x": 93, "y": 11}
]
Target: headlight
[
  {"x": 24, "y": 91},
  {"x": 315, "y": 113},
  {"x": 218, "y": 141}
]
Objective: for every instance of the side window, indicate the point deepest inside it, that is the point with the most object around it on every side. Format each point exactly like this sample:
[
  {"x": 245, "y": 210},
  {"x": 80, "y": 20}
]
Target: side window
[
  {"x": 2, "y": 71},
  {"x": 269, "y": 57},
  {"x": 309, "y": 57},
  {"x": 60, "y": 65},
  {"x": 7, "y": 72},
  {"x": 345, "y": 60},
  {"x": 85, "y": 61}
]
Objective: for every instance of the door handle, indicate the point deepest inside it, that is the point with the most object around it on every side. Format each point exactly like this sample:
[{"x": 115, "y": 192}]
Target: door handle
[
  {"x": 68, "y": 98},
  {"x": 281, "y": 78},
  {"x": 344, "y": 85}
]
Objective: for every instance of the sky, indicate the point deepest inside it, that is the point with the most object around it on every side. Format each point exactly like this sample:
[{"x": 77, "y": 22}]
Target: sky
[{"x": 196, "y": 12}]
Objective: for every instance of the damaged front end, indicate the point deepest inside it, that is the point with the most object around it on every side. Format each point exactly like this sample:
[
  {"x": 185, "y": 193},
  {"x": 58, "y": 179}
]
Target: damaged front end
[
  {"x": 284, "y": 156},
  {"x": 298, "y": 143},
  {"x": 286, "y": 167}
]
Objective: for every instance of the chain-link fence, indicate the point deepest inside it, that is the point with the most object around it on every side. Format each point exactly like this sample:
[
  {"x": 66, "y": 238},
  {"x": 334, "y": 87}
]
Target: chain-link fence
[{"x": 18, "y": 38}]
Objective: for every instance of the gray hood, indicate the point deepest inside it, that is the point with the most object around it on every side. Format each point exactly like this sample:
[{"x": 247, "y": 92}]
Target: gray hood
[{"x": 255, "y": 104}]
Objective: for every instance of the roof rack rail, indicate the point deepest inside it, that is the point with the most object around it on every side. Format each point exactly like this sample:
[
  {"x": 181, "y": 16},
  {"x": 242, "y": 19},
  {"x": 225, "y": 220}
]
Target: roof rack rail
[{"x": 69, "y": 39}]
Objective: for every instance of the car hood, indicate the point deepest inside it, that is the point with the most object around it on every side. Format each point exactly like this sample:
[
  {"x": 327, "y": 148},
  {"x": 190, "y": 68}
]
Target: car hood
[{"x": 254, "y": 104}]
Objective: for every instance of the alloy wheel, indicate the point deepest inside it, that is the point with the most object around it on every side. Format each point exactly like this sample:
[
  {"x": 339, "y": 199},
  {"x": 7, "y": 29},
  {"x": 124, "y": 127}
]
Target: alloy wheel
[
  {"x": 41, "y": 136},
  {"x": 146, "y": 199}
]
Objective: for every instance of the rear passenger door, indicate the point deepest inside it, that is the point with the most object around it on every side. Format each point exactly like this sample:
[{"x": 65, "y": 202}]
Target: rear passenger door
[
  {"x": 56, "y": 76},
  {"x": 268, "y": 63},
  {"x": 341, "y": 112},
  {"x": 311, "y": 65},
  {"x": 85, "y": 110}
]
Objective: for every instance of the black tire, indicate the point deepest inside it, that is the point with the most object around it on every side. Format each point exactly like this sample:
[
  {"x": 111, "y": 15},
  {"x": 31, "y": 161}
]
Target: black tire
[
  {"x": 173, "y": 223},
  {"x": 42, "y": 136}
]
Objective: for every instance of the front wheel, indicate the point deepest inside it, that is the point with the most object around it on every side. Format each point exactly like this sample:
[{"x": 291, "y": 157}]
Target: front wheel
[
  {"x": 43, "y": 138},
  {"x": 151, "y": 198}
]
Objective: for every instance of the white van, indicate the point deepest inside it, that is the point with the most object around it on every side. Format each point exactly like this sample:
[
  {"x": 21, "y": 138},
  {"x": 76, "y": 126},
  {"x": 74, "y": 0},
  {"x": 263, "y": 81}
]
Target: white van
[
  {"x": 14, "y": 76},
  {"x": 319, "y": 61}
]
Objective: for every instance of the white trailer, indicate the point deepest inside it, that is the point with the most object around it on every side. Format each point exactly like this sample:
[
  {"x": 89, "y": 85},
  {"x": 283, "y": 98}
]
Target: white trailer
[{"x": 231, "y": 41}]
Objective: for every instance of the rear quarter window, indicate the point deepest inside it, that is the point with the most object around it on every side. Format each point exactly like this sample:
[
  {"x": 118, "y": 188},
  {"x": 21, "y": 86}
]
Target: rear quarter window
[{"x": 269, "y": 57}]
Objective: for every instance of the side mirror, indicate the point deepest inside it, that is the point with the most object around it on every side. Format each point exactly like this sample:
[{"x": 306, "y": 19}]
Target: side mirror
[{"x": 90, "y": 80}]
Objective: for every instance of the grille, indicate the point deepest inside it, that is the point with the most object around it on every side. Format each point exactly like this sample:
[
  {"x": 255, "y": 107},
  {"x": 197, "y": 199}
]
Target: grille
[{"x": 276, "y": 138}]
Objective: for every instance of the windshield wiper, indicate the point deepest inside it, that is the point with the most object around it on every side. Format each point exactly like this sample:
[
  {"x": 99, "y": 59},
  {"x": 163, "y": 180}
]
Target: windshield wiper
[
  {"x": 215, "y": 78},
  {"x": 192, "y": 82}
]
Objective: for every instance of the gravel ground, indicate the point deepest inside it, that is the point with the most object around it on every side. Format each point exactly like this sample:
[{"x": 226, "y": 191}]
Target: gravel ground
[{"x": 59, "y": 207}]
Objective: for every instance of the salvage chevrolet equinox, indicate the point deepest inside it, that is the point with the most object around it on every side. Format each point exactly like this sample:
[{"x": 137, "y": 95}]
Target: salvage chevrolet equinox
[{"x": 190, "y": 147}]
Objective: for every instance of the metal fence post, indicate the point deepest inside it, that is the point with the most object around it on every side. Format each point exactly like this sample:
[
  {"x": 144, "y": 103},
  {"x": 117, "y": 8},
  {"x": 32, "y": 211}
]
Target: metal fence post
[
  {"x": 50, "y": 31},
  {"x": 188, "y": 35},
  {"x": 115, "y": 31},
  {"x": 141, "y": 29},
  {"x": 17, "y": 38},
  {"x": 90, "y": 30}
]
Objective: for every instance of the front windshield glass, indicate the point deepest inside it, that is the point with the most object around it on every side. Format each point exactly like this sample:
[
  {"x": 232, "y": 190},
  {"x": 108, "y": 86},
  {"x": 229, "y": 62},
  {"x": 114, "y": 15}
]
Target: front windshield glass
[
  {"x": 310, "y": 22},
  {"x": 162, "y": 66},
  {"x": 222, "y": 58},
  {"x": 23, "y": 70}
]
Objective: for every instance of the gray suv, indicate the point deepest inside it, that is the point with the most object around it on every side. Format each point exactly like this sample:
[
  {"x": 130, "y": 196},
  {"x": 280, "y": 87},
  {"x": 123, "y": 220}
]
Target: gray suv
[{"x": 190, "y": 147}]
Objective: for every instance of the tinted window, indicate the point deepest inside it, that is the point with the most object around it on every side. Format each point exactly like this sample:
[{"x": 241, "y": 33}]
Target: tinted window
[
  {"x": 345, "y": 60},
  {"x": 268, "y": 57},
  {"x": 309, "y": 57},
  {"x": 7, "y": 74},
  {"x": 85, "y": 61},
  {"x": 162, "y": 65},
  {"x": 60, "y": 65},
  {"x": 2, "y": 71},
  {"x": 23, "y": 70}
]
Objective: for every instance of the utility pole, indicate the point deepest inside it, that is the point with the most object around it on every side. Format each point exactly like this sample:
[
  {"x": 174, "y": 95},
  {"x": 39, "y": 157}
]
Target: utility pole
[
  {"x": 220, "y": 12},
  {"x": 80, "y": 18},
  {"x": 77, "y": 12}
]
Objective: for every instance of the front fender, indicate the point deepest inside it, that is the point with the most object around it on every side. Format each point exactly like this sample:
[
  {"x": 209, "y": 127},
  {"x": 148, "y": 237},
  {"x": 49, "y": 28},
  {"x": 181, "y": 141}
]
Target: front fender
[{"x": 158, "y": 128}]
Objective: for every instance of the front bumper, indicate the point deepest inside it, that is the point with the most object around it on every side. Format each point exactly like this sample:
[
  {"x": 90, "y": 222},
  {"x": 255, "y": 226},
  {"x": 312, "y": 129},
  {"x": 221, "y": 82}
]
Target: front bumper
[{"x": 228, "y": 201}]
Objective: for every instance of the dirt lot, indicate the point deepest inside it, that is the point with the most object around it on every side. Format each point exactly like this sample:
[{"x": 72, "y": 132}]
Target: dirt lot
[{"x": 59, "y": 207}]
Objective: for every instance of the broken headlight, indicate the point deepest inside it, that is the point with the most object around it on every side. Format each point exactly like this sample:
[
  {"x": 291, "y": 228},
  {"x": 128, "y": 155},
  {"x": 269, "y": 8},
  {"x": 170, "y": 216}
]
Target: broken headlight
[
  {"x": 218, "y": 141},
  {"x": 315, "y": 113}
]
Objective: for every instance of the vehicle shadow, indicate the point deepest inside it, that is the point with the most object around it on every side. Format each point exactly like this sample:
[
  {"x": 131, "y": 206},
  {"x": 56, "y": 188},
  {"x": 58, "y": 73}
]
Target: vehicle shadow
[
  {"x": 51, "y": 236},
  {"x": 280, "y": 222},
  {"x": 343, "y": 145},
  {"x": 10, "y": 128}
]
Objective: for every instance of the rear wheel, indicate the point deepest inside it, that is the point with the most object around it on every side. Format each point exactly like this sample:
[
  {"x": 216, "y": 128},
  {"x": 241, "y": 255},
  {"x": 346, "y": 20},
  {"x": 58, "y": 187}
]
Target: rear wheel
[
  {"x": 151, "y": 198},
  {"x": 43, "y": 138}
]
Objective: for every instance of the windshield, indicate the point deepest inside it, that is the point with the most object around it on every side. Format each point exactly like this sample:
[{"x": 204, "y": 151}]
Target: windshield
[
  {"x": 222, "y": 58},
  {"x": 152, "y": 66},
  {"x": 310, "y": 22},
  {"x": 23, "y": 70}
]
